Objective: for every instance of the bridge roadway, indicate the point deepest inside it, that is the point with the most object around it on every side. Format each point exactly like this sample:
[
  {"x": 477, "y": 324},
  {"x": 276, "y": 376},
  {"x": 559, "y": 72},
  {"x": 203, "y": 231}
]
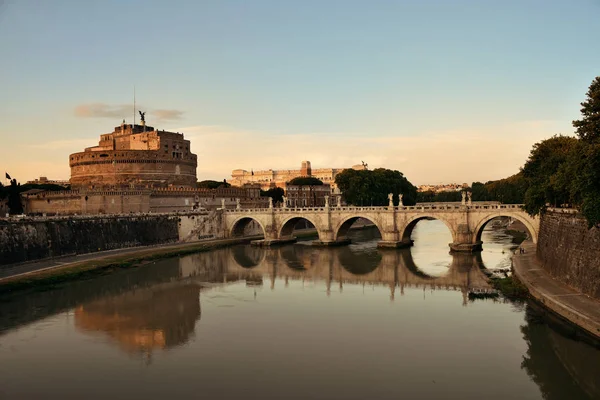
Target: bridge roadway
[{"x": 395, "y": 224}]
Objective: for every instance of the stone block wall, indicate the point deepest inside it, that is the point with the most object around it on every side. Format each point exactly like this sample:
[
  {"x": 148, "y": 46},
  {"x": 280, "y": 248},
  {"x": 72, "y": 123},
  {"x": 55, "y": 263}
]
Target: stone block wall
[
  {"x": 570, "y": 252},
  {"x": 33, "y": 239}
]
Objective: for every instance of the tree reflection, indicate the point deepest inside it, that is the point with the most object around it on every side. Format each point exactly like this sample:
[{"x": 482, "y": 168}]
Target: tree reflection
[{"x": 562, "y": 367}]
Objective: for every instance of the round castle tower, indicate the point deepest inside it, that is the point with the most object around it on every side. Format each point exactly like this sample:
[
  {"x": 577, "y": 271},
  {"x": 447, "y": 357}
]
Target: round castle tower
[{"x": 135, "y": 156}]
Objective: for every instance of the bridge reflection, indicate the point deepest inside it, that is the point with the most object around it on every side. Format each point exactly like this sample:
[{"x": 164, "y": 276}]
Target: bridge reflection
[{"x": 353, "y": 265}]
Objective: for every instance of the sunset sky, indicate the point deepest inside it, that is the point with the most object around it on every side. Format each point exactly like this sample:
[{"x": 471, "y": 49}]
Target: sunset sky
[{"x": 444, "y": 91}]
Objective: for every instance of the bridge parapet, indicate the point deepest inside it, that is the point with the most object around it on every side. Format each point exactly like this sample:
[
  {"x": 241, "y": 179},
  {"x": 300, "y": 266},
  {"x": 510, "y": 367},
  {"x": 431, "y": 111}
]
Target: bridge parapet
[{"x": 442, "y": 207}]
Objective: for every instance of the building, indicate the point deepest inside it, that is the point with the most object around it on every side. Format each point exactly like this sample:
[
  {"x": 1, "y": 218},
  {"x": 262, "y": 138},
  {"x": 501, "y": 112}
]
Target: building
[
  {"x": 137, "y": 169},
  {"x": 135, "y": 156},
  {"x": 307, "y": 195},
  {"x": 42, "y": 180},
  {"x": 278, "y": 178}
]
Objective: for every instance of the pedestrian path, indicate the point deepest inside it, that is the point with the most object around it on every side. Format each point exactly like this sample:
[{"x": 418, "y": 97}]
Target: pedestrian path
[{"x": 572, "y": 305}]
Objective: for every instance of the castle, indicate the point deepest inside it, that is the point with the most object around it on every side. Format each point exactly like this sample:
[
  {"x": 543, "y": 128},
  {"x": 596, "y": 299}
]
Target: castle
[
  {"x": 137, "y": 169},
  {"x": 135, "y": 156}
]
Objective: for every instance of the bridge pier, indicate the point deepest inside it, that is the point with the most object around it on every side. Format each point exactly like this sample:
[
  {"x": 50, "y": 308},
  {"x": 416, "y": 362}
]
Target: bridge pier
[
  {"x": 466, "y": 247},
  {"x": 332, "y": 243},
  {"x": 273, "y": 242},
  {"x": 394, "y": 244}
]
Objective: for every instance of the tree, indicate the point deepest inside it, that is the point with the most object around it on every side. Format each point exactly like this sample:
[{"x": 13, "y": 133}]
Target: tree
[
  {"x": 542, "y": 172},
  {"x": 275, "y": 193},
  {"x": 509, "y": 190},
  {"x": 479, "y": 192},
  {"x": 306, "y": 181},
  {"x": 210, "y": 184},
  {"x": 14, "y": 198},
  {"x": 588, "y": 127},
  {"x": 365, "y": 187}
]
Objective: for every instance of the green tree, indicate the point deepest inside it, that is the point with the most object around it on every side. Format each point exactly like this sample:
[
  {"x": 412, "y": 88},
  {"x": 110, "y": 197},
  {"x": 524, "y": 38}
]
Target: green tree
[
  {"x": 588, "y": 127},
  {"x": 306, "y": 181},
  {"x": 365, "y": 187},
  {"x": 14, "y": 198},
  {"x": 542, "y": 172},
  {"x": 210, "y": 184},
  {"x": 510, "y": 190},
  {"x": 275, "y": 193},
  {"x": 479, "y": 192}
]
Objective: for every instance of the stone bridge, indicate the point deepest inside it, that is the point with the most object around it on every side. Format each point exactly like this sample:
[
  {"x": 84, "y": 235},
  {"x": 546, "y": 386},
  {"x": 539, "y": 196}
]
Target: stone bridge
[{"x": 464, "y": 221}]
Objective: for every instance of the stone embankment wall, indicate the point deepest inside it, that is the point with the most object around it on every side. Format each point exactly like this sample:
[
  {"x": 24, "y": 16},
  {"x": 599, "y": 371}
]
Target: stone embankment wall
[
  {"x": 569, "y": 251},
  {"x": 38, "y": 238}
]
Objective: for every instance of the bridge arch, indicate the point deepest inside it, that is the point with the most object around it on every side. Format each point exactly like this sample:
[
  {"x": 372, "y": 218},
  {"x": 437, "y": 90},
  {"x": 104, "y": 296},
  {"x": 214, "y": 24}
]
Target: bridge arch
[
  {"x": 358, "y": 262},
  {"x": 287, "y": 227},
  {"x": 239, "y": 225},
  {"x": 248, "y": 257},
  {"x": 526, "y": 220},
  {"x": 342, "y": 229},
  {"x": 410, "y": 226}
]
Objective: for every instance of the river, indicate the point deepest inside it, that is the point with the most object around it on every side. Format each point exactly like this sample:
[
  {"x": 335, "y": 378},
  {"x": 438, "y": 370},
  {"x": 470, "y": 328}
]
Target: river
[{"x": 295, "y": 322}]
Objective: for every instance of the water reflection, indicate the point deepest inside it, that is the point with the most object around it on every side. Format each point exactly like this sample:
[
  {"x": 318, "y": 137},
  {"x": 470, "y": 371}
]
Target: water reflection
[
  {"x": 562, "y": 367},
  {"x": 267, "y": 336},
  {"x": 142, "y": 320}
]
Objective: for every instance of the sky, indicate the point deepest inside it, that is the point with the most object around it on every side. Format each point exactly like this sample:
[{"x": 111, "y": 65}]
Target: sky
[{"x": 443, "y": 91}]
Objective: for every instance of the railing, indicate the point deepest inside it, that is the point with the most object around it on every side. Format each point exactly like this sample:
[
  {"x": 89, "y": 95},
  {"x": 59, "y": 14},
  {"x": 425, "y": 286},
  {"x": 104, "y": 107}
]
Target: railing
[
  {"x": 38, "y": 218},
  {"x": 440, "y": 207}
]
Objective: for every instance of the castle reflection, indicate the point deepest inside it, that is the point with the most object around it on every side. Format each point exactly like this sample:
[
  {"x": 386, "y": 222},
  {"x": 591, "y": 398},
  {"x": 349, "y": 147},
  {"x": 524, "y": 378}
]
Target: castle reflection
[{"x": 143, "y": 320}]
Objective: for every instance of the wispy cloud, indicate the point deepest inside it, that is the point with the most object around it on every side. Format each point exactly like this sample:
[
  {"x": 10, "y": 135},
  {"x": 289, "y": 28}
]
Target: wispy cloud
[
  {"x": 167, "y": 114},
  {"x": 102, "y": 110}
]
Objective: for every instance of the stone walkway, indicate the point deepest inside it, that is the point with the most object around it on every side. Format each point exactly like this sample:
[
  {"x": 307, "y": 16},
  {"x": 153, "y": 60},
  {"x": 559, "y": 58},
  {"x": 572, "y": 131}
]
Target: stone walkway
[{"x": 558, "y": 297}]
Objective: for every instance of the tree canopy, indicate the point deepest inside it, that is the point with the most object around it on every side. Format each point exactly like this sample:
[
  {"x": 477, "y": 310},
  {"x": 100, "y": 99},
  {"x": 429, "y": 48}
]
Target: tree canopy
[
  {"x": 588, "y": 127},
  {"x": 210, "y": 184},
  {"x": 565, "y": 170},
  {"x": 275, "y": 193},
  {"x": 365, "y": 187},
  {"x": 306, "y": 181}
]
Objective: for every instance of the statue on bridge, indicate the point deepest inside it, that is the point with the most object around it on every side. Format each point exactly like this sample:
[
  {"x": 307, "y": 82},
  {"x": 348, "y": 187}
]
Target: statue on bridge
[
  {"x": 237, "y": 204},
  {"x": 339, "y": 201},
  {"x": 464, "y": 198},
  {"x": 223, "y": 204},
  {"x": 391, "y": 200},
  {"x": 469, "y": 196},
  {"x": 270, "y": 202},
  {"x": 285, "y": 200},
  {"x": 326, "y": 201},
  {"x": 400, "y": 200}
]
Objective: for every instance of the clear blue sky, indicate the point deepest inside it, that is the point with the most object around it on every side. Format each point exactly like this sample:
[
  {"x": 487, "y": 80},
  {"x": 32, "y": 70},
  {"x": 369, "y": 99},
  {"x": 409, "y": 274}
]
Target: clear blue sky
[{"x": 419, "y": 86}]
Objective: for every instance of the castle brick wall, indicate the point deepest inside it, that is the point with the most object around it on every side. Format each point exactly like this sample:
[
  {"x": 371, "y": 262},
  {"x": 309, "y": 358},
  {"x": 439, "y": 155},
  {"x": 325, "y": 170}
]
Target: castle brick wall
[{"x": 570, "y": 252}]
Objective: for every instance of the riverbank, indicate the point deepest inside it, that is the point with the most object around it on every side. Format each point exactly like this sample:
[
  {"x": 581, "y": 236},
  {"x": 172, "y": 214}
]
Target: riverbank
[
  {"x": 566, "y": 302},
  {"x": 102, "y": 264}
]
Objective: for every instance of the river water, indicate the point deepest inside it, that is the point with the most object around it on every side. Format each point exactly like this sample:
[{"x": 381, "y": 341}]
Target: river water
[{"x": 296, "y": 322}]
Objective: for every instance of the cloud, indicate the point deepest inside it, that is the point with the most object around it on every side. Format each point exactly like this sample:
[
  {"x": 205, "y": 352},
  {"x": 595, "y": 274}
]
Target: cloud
[
  {"x": 102, "y": 110},
  {"x": 167, "y": 114}
]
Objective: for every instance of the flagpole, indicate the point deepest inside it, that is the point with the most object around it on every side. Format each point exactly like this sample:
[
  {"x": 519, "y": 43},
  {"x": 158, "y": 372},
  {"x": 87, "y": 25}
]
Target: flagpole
[{"x": 133, "y": 126}]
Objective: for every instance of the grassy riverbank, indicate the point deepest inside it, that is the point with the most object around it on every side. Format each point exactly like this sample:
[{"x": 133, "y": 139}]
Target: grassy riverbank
[
  {"x": 54, "y": 277},
  {"x": 510, "y": 287}
]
